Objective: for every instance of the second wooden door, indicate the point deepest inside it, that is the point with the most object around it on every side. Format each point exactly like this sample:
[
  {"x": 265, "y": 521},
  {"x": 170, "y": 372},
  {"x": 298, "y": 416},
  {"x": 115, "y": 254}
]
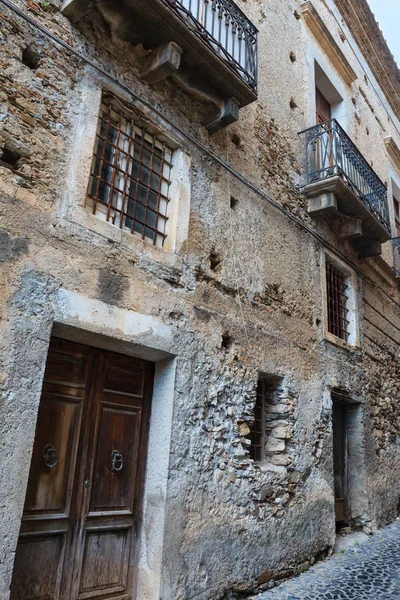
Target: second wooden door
[{"x": 340, "y": 461}]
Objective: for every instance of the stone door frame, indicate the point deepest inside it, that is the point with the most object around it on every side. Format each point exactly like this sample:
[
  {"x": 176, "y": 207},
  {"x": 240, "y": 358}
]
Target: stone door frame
[{"x": 92, "y": 322}]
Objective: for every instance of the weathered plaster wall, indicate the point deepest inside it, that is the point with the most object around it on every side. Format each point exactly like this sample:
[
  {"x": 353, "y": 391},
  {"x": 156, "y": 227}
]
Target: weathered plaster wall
[{"x": 229, "y": 524}]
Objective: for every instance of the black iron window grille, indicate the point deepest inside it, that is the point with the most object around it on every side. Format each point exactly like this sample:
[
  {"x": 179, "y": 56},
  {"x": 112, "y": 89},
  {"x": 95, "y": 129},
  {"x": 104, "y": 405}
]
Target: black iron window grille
[
  {"x": 337, "y": 284},
  {"x": 257, "y": 429},
  {"x": 130, "y": 176},
  {"x": 330, "y": 152},
  {"x": 396, "y": 207},
  {"x": 226, "y": 30}
]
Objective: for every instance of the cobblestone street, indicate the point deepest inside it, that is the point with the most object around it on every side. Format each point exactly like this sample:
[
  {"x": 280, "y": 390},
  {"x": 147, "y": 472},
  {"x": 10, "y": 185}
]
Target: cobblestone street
[{"x": 370, "y": 571}]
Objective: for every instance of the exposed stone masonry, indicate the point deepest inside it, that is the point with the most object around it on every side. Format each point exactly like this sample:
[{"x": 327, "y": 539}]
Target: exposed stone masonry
[{"x": 241, "y": 295}]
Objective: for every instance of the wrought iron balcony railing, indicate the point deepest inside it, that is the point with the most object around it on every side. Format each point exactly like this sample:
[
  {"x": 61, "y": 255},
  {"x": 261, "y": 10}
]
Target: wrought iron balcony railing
[
  {"x": 227, "y": 31},
  {"x": 396, "y": 255},
  {"x": 330, "y": 152}
]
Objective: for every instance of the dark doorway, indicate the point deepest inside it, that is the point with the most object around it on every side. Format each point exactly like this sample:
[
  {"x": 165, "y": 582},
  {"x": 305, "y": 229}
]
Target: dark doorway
[
  {"x": 340, "y": 460},
  {"x": 80, "y": 529}
]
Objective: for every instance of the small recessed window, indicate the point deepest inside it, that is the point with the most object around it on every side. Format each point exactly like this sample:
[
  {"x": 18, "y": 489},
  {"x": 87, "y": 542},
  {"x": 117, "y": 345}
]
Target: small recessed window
[
  {"x": 257, "y": 429},
  {"x": 270, "y": 431},
  {"x": 338, "y": 312},
  {"x": 130, "y": 175},
  {"x": 341, "y": 321}
]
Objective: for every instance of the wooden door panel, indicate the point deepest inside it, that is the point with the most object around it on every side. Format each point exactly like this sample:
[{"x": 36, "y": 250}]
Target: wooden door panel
[
  {"x": 123, "y": 378},
  {"x": 324, "y": 109},
  {"x": 38, "y": 567},
  {"x": 47, "y": 523},
  {"x": 115, "y": 460},
  {"x": 50, "y": 487},
  {"x": 105, "y": 562},
  {"x": 82, "y": 511},
  {"x": 66, "y": 368}
]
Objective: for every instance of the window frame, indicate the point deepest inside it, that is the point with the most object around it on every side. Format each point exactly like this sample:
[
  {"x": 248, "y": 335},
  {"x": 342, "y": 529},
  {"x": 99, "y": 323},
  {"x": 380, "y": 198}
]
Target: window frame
[
  {"x": 352, "y": 294},
  {"x": 119, "y": 156},
  {"x": 396, "y": 210},
  {"x": 71, "y": 205},
  {"x": 259, "y": 407},
  {"x": 394, "y": 196}
]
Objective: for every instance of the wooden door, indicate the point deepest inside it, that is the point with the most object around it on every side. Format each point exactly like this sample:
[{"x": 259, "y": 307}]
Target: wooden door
[
  {"x": 324, "y": 143},
  {"x": 324, "y": 112},
  {"x": 340, "y": 461},
  {"x": 81, "y": 522}
]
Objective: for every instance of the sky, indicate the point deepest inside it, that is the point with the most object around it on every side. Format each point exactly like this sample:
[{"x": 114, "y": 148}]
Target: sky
[{"x": 387, "y": 13}]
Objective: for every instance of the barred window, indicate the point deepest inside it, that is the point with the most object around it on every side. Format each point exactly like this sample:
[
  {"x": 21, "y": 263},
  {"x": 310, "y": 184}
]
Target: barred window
[
  {"x": 257, "y": 429},
  {"x": 130, "y": 175},
  {"x": 396, "y": 206},
  {"x": 337, "y": 301}
]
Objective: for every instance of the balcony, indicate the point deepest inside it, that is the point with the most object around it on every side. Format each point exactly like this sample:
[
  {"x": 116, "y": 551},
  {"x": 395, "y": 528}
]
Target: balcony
[
  {"x": 343, "y": 189},
  {"x": 209, "y": 46}
]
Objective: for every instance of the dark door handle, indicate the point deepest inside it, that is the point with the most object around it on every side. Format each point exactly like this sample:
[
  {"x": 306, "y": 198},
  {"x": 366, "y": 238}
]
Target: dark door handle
[{"x": 50, "y": 456}]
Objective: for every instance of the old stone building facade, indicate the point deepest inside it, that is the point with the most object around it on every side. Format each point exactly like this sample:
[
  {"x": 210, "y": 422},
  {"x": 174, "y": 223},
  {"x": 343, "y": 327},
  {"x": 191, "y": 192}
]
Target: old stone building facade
[{"x": 170, "y": 245}]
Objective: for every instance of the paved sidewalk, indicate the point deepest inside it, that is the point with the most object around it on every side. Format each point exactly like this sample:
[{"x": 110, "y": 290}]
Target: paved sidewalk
[{"x": 367, "y": 572}]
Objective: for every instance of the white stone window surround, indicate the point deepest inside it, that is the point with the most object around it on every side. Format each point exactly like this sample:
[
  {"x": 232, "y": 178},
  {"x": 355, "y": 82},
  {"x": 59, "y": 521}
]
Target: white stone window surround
[
  {"x": 357, "y": 53},
  {"x": 352, "y": 293},
  {"x": 73, "y": 203},
  {"x": 325, "y": 77}
]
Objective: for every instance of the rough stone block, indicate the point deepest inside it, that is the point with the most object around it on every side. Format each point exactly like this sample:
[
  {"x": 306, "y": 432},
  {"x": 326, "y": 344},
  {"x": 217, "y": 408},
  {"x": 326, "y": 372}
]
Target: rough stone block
[
  {"x": 280, "y": 432},
  {"x": 244, "y": 429},
  {"x": 280, "y": 460},
  {"x": 265, "y": 576},
  {"x": 294, "y": 476},
  {"x": 275, "y": 445},
  {"x": 277, "y": 408},
  {"x": 267, "y": 491},
  {"x": 14, "y": 145}
]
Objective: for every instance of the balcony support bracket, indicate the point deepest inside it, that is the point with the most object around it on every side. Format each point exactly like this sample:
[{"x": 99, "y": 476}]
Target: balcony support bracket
[
  {"x": 74, "y": 10},
  {"x": 368, "y": 248},
  {"x": 162, "y": 62},
  {"x": 324, "y": 204},
  {"x": 350, "y": 228},
  {"x": 229, "y": 114}
]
